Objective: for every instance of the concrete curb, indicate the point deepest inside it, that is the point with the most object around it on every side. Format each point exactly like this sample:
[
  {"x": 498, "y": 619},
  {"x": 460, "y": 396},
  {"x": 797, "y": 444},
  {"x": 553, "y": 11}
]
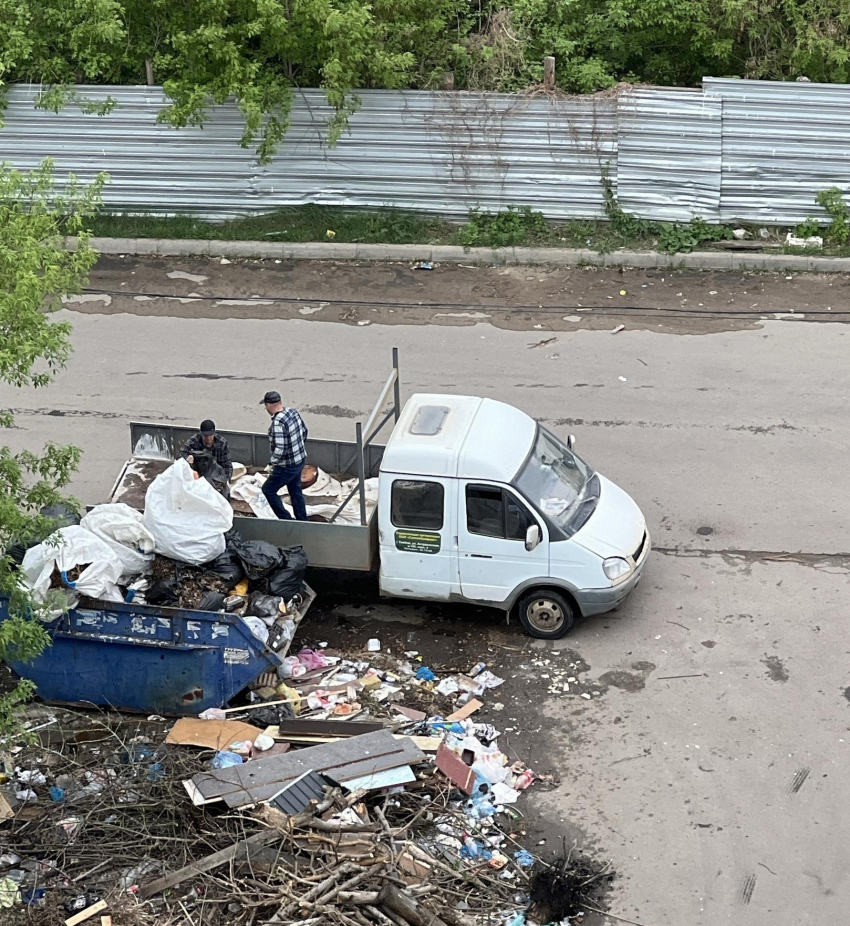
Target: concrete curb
[{"x": 554, "y": 257}]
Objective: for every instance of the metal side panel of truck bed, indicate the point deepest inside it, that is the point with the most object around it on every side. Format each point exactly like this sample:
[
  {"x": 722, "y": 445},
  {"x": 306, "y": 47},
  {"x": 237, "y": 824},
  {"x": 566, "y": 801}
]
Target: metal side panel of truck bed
[{"x": 332, "y": 546}]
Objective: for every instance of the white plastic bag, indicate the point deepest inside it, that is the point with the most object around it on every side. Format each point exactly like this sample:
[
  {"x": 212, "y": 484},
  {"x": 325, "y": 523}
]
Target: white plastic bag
[
  {"x": 69, "y": 547},
  {"x": 122, "y": 528},
  {"x": 186, "y": 516}
]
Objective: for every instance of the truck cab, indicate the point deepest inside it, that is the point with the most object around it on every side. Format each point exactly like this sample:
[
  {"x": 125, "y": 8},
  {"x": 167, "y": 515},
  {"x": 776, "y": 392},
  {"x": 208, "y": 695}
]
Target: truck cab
[{"x": 479, "y": 503}]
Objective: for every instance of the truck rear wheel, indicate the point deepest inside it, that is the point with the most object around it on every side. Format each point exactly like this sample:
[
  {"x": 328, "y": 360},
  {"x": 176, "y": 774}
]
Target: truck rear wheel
[{"x": 545, "y": 614}]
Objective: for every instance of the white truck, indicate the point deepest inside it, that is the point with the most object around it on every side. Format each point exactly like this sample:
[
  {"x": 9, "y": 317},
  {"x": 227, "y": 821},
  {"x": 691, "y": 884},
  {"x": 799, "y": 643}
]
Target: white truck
[{"x": 477, "y": 503}]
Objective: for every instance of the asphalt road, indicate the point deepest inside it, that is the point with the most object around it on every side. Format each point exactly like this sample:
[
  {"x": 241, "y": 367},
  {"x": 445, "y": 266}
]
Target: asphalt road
[{"x": 715, "y": 780}]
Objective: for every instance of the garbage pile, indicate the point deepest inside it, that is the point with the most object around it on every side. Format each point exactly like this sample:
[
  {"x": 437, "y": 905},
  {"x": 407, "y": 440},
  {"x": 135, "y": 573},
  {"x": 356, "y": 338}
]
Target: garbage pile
[
  {"x": 182, "y": 552},
  {"x": 341, "y": 822}
]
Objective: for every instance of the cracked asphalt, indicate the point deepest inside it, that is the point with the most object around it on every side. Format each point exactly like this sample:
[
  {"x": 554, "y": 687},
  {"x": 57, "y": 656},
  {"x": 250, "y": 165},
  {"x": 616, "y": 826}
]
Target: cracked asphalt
[{"x": 711, "y": 765}]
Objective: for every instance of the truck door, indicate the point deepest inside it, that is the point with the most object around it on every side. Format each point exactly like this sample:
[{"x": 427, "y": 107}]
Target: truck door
[
  {"x": 416, "y": 521},
  {"x": 492, "y": 557}
]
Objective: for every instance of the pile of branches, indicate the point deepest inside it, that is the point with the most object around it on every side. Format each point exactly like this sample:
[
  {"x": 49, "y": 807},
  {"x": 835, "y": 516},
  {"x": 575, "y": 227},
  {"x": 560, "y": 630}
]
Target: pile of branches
[{"x": 126, "y": 823}]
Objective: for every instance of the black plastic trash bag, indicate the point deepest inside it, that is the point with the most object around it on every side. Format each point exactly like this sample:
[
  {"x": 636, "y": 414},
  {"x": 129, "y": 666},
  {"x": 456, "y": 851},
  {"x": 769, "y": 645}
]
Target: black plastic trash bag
[
  {"x": 212, "y": 601},
  {"x": 228, "y": 567},
  {"x": 164, "y": 593},
  {"x": 258, "y": 558},
  {"x": 286, "y": 582},
  {"x": 264, "y": 606}
]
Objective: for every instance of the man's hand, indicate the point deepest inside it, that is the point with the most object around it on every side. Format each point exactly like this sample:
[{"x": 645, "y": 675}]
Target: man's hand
[{"x": 190, "y": 460}]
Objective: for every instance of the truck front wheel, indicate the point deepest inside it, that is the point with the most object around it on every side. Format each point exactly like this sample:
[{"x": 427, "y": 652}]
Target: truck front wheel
[{"x": 545, "y": 614}]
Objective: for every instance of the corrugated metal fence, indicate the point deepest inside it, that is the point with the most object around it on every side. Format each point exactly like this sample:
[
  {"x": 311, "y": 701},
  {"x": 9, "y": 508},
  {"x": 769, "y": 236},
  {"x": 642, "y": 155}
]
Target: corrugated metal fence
[{"x": 736, "y": 150}]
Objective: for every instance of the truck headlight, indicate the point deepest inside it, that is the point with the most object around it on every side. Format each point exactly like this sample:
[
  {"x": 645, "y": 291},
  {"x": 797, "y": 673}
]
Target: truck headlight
[{"x": 615, "y": 568}]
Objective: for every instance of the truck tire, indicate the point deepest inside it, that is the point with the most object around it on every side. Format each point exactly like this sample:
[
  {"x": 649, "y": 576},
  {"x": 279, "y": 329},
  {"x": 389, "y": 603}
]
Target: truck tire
[{"x": 545, "y": 614}]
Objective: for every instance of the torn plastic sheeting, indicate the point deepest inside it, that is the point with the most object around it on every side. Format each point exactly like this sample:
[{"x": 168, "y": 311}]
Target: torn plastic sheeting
[
  {"x": 122, "y": 528},
  {"x": 186, "y": 516},
  {"x": 66, "y": 549}
]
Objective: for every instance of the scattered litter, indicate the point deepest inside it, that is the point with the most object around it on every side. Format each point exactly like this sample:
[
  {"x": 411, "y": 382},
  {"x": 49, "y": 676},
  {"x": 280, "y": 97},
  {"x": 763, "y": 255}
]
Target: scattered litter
[
  {"x": 622, "y": 379},
  {"x": 622, "y": 292},
  {"x": 224, "y": 260},
  {"x": 740, "y": 233},
  {"x": 423, "y": 265},
  {"x": 812, "y": 241},
  {"x": 374, "y": 645},
  {"x": 618, "y": 329}
]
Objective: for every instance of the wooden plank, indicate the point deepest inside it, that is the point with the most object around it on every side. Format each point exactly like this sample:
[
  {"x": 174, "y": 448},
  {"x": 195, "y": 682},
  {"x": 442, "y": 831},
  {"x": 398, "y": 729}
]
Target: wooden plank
[
  {"x": 222, "y": 857},
  {"x": 245, "y": 780},
  {"x": 340, "y": 728},
  {"x": 106, "y": 921},
  {"x": 463, "y": 712},
  {"x": 86, "y": 914},
  {"x": 343, "y": 772}
]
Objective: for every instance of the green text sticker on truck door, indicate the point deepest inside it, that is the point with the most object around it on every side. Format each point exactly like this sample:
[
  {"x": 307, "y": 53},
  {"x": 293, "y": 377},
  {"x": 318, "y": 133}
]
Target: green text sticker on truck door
[{"x": 417, "y": 541}]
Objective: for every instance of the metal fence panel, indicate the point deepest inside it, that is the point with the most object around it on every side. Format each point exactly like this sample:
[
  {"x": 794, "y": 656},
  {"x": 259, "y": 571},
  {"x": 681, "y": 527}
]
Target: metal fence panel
[
  {"x": 782, "y": 144},
  {"x": 668, "y": 158},
  {"x": 435, "y": 152},
  {"x": 753, "y": 151}
]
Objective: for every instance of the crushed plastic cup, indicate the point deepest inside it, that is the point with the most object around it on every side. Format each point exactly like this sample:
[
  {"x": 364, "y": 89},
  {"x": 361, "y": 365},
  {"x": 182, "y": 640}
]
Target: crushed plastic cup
[{"x": 225, "y": 759}]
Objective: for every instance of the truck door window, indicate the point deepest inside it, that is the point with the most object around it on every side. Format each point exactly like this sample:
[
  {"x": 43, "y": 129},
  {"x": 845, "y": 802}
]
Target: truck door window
[
  {"x": 485, "y": 511},
  {"x": 493, "y": 512},
  {"x": 417, "y": 503}
]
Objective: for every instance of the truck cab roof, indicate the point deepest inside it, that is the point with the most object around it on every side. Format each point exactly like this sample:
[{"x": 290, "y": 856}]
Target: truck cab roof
[{"x": 459, "y": 436}]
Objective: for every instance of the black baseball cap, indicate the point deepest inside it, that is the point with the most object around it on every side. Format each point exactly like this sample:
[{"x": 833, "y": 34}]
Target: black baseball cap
[
  {"x": 271, "y": 398},
  {"x": 207, "y": 427}
]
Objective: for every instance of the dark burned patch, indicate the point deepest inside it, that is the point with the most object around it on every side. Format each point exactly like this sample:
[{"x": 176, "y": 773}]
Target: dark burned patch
[
  {"x": 847, "y": 692},
  {"x": 642, "y": 666},
  {"x": 705, "y": 531},
  {"x": 567, "y": 886},
  {"x": 776, "y": 669},
  {"x": 709, "y": 644},
  {"x": 332, "y": 411},
  {"x": 625, "y": 681}
]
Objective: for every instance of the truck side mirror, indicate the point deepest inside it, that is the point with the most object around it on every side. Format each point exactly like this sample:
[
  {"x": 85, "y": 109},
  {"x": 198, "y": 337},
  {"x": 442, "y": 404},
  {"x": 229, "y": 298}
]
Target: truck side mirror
[
  {"x": 571, "y": 441},
  {"x": 532, "y": 537}
]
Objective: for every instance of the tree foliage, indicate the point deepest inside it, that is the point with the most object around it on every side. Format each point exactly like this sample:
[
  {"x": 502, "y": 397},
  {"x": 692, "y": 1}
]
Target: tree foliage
[
  {"x": 35, "y": 272},
  {"x": 258, "y": 51}
]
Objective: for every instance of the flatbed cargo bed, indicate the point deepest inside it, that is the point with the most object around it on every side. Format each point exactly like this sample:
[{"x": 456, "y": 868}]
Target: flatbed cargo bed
[{"x": 336, "y": 545}]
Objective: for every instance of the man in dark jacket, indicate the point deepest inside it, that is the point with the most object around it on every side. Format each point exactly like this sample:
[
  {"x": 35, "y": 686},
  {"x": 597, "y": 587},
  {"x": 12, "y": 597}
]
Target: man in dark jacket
[{"x": 206, "y": 440}]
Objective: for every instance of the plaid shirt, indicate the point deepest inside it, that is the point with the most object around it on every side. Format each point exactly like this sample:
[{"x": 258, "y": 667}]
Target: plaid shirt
[
  {"x": 219, "y": 450},
  {"x": 287, "y": 434}
]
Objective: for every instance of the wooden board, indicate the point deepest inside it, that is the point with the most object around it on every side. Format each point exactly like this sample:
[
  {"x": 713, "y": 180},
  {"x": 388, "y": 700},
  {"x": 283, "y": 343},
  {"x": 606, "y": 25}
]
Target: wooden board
[
  {"x": 463, "y": 712},
  {"x": 335, "y": 728},
  {"x": 260, "y": 779},
  {"x": 210, "y": 734},
  {"x": 208, "y": 864}
]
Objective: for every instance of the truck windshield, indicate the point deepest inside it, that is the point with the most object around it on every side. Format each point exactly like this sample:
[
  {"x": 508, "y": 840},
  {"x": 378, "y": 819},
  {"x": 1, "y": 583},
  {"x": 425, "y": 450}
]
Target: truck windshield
[{"x": 554, "y": 479}]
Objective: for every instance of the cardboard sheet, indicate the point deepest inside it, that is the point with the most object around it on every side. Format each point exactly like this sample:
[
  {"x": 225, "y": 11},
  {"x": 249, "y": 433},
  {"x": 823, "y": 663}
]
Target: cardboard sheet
[{"x": 210, "y": 734}]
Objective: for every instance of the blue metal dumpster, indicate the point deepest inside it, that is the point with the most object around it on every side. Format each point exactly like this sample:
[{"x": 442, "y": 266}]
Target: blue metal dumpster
[{"x": 143, "y": 658}]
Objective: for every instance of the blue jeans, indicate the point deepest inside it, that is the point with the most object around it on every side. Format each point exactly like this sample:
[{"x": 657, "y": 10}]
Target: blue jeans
[{"x": 289, "y": 476}]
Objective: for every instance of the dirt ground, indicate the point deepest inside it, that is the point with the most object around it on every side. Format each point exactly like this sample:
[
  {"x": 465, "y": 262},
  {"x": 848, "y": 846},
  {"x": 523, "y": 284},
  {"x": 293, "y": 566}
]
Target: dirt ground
[{"x": 514, "y": 298}]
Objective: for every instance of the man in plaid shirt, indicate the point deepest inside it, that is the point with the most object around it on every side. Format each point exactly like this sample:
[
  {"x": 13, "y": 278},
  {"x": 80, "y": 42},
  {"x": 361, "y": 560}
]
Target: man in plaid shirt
[{"x": 287, "y": 434}]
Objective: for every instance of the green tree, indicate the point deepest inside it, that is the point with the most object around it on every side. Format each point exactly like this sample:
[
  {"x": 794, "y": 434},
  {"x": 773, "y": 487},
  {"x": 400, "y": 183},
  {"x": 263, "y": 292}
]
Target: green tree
[{"x": 35, "y": 272}]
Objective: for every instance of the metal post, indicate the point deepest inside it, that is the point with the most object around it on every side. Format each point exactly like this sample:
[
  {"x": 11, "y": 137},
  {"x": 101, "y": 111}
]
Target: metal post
[
  {"x": 360, "y": 469},
  {"x": 397, "y": 386}
]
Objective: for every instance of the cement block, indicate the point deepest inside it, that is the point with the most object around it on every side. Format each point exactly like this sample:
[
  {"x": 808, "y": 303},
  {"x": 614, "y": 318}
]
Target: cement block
[
  {"x": 176, "y": 247},
  {"x": 393, "y": 252},
  {"x": 114, "y": 245}
]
